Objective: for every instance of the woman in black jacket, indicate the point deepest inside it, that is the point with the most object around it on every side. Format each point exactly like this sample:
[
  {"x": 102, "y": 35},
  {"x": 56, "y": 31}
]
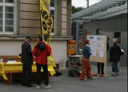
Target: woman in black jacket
[{"x": 115, "y": 53}]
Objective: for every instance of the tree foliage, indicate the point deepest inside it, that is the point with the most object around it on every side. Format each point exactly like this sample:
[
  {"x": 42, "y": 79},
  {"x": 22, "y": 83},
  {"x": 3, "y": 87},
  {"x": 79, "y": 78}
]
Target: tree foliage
[{"x": 76, "y": 9}]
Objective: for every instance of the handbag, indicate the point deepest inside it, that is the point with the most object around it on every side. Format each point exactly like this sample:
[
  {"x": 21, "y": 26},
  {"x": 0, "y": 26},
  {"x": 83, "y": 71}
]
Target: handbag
[{"x": 122, "y": 52}]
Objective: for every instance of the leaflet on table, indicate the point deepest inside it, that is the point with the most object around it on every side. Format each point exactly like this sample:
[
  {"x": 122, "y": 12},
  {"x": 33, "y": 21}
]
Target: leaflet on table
[{"x": 11, "y": 62}]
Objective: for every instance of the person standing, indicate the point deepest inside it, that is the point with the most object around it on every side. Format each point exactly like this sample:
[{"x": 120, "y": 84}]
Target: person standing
[
  {"x": 86, "y": 64},
  {"x": 100, "y": 66},
  {"x": 27, "y": 60},
  {"x": 41, "y": 51},
  {"x": 117, "y": 39},
  {"x": 118, "y": 43},
  {"x": 115, "y": 53}
]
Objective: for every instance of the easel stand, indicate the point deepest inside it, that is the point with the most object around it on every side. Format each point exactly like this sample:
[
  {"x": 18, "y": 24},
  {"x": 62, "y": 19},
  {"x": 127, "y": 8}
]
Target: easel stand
[{"x": 98, "y": 46}]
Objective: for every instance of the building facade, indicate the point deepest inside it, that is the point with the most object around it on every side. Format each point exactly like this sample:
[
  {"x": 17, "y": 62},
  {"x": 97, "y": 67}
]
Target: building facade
[
  {"x": 19, "y": 18},
  {"x": 108, "y": 18},
  {"x": 116, "y": 27}
]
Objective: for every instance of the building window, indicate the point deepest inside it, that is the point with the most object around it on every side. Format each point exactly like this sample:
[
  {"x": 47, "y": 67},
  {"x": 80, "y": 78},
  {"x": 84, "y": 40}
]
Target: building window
[
  {"x": 53, "y": 13},
  {"x": 7, "y": 16},
  {"x": 118, "y": 35},
  {"x": 99, "y": 31}
]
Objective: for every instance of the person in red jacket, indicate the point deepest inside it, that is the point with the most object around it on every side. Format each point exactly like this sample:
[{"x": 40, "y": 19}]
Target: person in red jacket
[{"x": 41, "y": 51}]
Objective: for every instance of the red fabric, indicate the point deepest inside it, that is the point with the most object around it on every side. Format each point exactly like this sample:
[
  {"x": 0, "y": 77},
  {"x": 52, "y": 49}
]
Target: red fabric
[
  {"x": 41, "y": 55},
  {"x": 86, "y": 69}
]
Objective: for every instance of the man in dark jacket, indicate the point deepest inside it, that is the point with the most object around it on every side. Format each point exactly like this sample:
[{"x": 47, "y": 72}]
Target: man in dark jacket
[{"x": 27, "y": 60}]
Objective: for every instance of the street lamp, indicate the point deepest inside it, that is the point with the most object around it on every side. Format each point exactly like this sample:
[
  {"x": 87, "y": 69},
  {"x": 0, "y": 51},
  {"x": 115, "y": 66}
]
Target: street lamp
[{"x": 87, "y": 3}]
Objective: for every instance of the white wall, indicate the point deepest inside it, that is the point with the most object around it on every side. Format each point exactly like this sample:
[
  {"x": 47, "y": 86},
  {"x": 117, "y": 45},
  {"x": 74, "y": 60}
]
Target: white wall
[
  {"x": 14, "y": 48},
  {"x": 10, "y": 47},
  {"x": 60, "y": 52}
]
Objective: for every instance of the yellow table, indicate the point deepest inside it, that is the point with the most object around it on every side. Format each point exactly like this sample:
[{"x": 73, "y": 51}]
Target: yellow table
[{"x": 7, "y": 69}]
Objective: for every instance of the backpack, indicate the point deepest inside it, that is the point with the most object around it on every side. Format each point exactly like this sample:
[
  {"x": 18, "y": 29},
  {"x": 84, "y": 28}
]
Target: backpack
[
  {"x": 58, "y": 74},
  {"x": 41, "y": 46},
  {"x": 74, "y": 73}
]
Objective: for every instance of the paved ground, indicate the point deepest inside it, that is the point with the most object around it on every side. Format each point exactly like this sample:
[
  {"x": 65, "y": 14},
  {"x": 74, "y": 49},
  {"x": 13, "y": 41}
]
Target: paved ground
[{"x": 70, "y": 84}]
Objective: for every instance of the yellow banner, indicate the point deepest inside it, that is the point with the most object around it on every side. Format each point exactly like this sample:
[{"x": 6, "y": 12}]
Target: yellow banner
[
  {"x": 46, "y": 2},
  {"x": 47, "y": 25}
]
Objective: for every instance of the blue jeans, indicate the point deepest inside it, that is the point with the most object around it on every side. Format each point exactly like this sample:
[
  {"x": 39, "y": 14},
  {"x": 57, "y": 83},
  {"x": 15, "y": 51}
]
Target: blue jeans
[{"x": 116, "y": 66}]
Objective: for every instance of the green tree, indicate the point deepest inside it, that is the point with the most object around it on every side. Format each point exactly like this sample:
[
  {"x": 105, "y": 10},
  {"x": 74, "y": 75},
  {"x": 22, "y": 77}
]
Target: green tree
[{"x": 76, "y": 9}]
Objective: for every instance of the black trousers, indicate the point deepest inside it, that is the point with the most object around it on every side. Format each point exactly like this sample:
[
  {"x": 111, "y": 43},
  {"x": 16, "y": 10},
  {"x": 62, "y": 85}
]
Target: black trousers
[
  {"x": 45, "y": 68},
  {"x": 100, "y": 67},
  {"x": 26, "y": 74},
  {"x": 113, "y": 69}
]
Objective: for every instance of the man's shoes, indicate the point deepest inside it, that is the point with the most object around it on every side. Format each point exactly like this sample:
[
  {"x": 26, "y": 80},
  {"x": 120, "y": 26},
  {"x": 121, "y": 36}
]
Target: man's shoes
[
  {"x": 116, "y": 74},
  {"x": 38, "y": 86},
  {"x": 23, "y": 84},
  {"x": 47, "y": 87},
  {"x": 29, "y": 86}
]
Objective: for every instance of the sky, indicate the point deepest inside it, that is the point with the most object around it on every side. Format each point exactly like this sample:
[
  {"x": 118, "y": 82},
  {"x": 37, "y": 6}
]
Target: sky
[{"x": 83, "y": 3}]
